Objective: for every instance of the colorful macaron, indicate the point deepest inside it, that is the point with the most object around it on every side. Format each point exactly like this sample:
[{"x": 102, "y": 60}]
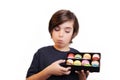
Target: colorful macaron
[
  {"x": 85, "y": 63},
  {"x": 69, "y": 62},
  {"x": 71, "y": 55},
  {"x": 95, "y": 64},
  {"x": 87, "y": 56},
  {"x": 77, "y": 63},
  {"x": 78, "y": 56},
  {"x": 95, "y": 57}
]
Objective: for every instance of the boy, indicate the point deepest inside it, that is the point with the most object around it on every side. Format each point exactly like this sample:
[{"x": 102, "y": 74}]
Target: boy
[{"x": 46, "y": 64}]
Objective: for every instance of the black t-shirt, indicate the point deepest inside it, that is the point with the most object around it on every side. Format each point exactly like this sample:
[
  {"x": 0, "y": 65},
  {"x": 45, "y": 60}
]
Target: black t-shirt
[{"x": 47, "y": 55}]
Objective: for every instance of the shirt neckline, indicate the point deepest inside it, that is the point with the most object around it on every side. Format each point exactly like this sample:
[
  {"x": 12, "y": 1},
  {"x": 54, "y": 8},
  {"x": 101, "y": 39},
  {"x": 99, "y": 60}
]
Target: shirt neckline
[{"x": 61, "y": 51}]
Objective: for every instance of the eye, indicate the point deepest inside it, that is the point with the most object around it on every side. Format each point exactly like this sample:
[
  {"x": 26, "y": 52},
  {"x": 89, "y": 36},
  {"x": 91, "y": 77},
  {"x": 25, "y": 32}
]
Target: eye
[
  {"x": 57, "y": 29},
  {"x": 68, "y": 30}
]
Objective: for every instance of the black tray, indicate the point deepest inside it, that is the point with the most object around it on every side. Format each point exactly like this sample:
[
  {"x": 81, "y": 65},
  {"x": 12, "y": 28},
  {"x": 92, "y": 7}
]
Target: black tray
[{"x": 89, "y": 68}]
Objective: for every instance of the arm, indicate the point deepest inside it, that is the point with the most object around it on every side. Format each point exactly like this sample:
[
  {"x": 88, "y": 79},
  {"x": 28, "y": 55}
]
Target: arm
[
  {"x": 43, "y": 75},
  {"x": 53, "y": 69}
]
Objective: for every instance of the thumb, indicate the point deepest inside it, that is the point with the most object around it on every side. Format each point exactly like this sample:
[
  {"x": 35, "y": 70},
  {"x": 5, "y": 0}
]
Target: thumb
[{"x": 60, "y": 61}]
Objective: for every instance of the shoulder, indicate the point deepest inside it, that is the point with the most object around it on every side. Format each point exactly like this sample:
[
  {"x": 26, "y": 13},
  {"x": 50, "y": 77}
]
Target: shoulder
[
  {"x": 43, "y": 50},
  {"x": 74, "y": 50}
]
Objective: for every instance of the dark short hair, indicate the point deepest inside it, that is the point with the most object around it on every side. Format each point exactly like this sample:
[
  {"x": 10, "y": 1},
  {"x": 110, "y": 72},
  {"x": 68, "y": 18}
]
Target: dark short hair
[{"x": 62, "y": 16}]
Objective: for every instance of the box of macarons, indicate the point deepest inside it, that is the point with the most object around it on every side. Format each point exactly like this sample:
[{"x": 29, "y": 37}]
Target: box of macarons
[{"x": 84, "y": 61}]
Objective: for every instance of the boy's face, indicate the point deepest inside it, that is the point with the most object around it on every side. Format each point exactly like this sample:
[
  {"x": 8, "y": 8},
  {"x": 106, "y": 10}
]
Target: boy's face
[{"x": 62, "y": 34}]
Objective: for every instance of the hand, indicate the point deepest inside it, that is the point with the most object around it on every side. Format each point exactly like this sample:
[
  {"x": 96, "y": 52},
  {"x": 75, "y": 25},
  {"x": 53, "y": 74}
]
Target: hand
[
  {"x": 56, "y": 69},
  {"x": 82, "y": 74}
]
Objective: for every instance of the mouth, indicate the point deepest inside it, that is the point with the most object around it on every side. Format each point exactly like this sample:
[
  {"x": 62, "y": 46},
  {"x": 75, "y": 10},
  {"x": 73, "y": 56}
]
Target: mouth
[{"x": 60, "y": 41}]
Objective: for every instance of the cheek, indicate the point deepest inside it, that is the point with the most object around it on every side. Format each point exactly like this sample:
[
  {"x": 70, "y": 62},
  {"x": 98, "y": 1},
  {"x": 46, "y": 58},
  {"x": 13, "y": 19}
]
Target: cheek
[
  {"x": 53, "y": 35},
  {"x": 69, "y": 37}
]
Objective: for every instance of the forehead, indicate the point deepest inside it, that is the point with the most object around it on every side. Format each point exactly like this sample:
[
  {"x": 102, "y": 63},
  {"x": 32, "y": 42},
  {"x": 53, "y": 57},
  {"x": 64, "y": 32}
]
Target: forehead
[{"x": 67, "y": 24}]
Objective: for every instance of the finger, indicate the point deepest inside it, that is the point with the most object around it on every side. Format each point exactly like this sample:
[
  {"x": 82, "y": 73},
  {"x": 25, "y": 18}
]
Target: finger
[
  {"x": 60, "y": 61},
  {"x": 67, "y": 73},
  {"x": 77, "y": 72},
  {"x": 65, "y": 69},
  {"x": 82, "y": 71},
  {"x": 87, "y": 73}
]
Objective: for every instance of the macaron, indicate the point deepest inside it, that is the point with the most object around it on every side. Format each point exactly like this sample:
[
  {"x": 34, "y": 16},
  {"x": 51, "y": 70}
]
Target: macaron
[
  {"x": 86, "y": 56},
  {"x": 78, "y": 56},
  {"x": 71, "y": 55},
  {"x": 77, "y": 63},
  {"x": 95, "y": 57},
  {"x": 95, "y": 64},
  {"x": 85, "y": 63},
  {"x": 69, "y": 62}
]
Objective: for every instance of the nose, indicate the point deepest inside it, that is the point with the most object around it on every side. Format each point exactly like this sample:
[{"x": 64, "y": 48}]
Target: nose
[{"x": 61, "y": 33}]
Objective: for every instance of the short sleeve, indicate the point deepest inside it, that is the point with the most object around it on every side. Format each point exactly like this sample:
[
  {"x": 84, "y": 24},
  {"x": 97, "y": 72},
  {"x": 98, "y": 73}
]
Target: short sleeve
[{"x": 34, "y": 67}]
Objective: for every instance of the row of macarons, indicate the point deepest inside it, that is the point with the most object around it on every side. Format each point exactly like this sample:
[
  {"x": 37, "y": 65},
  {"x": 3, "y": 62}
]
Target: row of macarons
[
  {"x": 84, "y": 56},
  {"x": 82, "y": 63}
]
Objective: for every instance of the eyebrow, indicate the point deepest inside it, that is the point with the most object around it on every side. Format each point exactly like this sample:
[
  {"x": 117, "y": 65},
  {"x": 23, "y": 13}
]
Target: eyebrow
[
  {"x": 68, "y": 28},
  {"x": 65, "y": 27}
]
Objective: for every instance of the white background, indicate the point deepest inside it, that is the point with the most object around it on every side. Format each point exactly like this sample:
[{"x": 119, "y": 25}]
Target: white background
[{"x": 24, "y": 29}]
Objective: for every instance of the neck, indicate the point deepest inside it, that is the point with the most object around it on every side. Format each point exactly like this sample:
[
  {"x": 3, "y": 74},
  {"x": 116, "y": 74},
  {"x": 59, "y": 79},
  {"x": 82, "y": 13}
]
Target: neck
[{"x": 62, "y": 48}]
